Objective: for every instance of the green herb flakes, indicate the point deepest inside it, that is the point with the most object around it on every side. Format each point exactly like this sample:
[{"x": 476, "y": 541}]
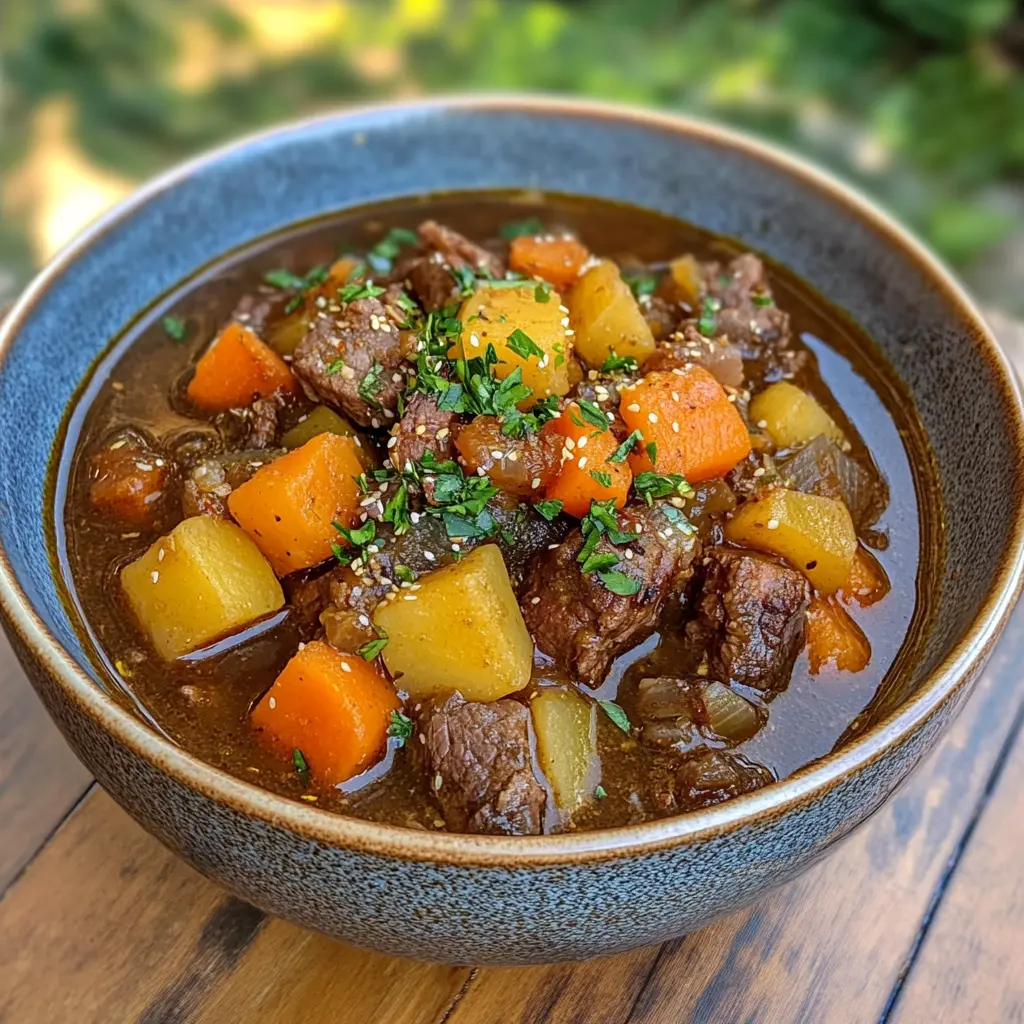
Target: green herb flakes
[
  {"x": 656, "y": 485},
  {"x": 174, "y": 328},
  {"x": 371, "y": 650},
  {"x": 619, "y": 364},
  {"x": 372, "y": 385},
  {"x": 592, "y": 414},
  {"x": 620, "y": 453},
  {"x": 641, "y": 284},
  {"x": 619, "y": 583},
  {"x": 518, "y": 228},
  {"x": 600, "y": 793},
  {"x": 604, "y": 479},
  {"x": 381, "y": 257},
  {"x": 523, "y": 345},
  {"x": 401, "y": 727},
  {"x": 652, "y": 451},
  {"x": 301, "y": 766},
  {"x": 549, "y": 509},
  {"x": 542, "y": 293},
  {"x": 616, "y": 714}
]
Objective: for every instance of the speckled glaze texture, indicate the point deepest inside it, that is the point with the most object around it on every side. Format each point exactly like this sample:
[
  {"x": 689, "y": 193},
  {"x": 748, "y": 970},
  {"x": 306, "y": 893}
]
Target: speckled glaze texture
[{"x": 485, "y": 899}]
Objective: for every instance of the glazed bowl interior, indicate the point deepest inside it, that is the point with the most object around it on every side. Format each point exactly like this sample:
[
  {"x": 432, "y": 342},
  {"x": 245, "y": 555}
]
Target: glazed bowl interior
[{"x": 922, "y": 324}]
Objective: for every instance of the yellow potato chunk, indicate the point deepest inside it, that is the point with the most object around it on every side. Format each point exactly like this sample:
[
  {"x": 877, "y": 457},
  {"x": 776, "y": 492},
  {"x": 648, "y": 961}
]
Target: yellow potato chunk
[
  {"x": 606, "y": 317},
  {"x": 565, "y": 725},
  {"x": 204, "y": 580},
  {"x": 792, "y": 417},
  {"x": 814, "y": 534},
  {"x": 491, "y": 316},
  {"x": 462, "y": 630},
  {"x": 323, "y": 420}
]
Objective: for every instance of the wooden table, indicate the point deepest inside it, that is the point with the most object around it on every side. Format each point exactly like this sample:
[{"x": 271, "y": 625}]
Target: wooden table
[{"x": 919, "y": 916}]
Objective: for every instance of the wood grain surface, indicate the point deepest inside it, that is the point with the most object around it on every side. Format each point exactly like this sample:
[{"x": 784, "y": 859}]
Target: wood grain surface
[{"x": 919, "y": 916}]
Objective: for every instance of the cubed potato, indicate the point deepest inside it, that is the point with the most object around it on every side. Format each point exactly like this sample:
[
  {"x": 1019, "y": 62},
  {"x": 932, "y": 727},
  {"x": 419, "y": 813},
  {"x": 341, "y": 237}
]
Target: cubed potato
[
  {"x": 814, "y": 534},
  {"x": 606, "y": 317},
  {"x": 205, "y": 579},
  {"x": 462, "y": 630},
  {"x": 323, "y": 420},
  {"x": 792, "y": 417},
  {"x": 566, "y": 728},
  {"x": 687, "y": 279},
  {"x": 491, "y": 315}
]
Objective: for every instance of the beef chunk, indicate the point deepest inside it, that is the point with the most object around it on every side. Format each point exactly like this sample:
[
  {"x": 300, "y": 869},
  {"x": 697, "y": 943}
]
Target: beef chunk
[
  {"x": 722, "y": 359},
  {"x": 341, "y": 602},
  {"x": 253, "y": 311},
  {"x": 576, "y": 620},
  {"x": 821, "y": 467},
  {"x": 662, "y": 316},
  {"x": 751, "y": 616},
  {"x": 423, "y": 428},
  {"x": 129, "y": 482},
  {"x": 710, "y": 776},
  {"x": 263, "y": 424},
  {"x": 347, "y": 344},
  {"x": 477, "y": 757},
  {"x": 210, "y": 481},
  {"x": 747, "y": 317},
  {"x": 755, "y": 472},
  {"x": 442, "y": 250}
]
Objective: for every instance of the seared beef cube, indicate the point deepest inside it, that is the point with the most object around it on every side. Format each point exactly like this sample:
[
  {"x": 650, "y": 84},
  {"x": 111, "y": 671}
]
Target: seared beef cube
[
  {"x": 263, "y": 423},
  {"x": 129, "y": 483},
  {"x": 753, "y": 474},
  {"x": 747, "y": 316},
  {"x": 210, "y": 481},
  {"x": 477, "y": 759},
  {"x": 339, "y": 604},
  {"x": 352, "y": 358},
  {"x": 821, "y": 467},
  {"x": 708, "y": 777},
  {"x": 722, "y": 359},
  {"x": 423, "y": 428},
  {"x": 662, "y": 316},
  {"x": 253, "y": 311},
  {"x": 751, "y": 615},
  {"x": 576, "y": 620},
  {"x": 442, "y": 250}
]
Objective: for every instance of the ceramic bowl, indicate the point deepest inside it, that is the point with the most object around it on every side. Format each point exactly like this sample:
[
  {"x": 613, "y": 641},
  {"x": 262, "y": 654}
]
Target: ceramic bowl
[{"x": 474, "y": 899}]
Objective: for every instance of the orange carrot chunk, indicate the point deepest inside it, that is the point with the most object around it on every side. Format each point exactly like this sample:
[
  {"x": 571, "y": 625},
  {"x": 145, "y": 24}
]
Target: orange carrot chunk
[
  {"x": 334, "y": 708},
  {"x": 556, "y": 260},
  {"x": 833, "y": 638},
  {"x": 237, "y": 369},
  {"x": 687, "y": 416},
  {"x": 585, "y": 473},
  {"x": 289, "y": 505},
  {"x": 867, "y": 583}
]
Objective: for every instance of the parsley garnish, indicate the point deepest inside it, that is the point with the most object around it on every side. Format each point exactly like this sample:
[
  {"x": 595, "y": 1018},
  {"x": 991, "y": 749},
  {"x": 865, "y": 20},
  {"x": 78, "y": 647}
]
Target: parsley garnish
[
  {"x": 619, "y": 364},
  {"x": 336, "y": 367},
  {"x": 708, "y": 322},
  {"x": 656, "y": 485},
  {"x": 762, "y": 300},
  {"x": 652, "y": 451},
  {"x": 542, "y": 293},
  {"x": 405, "y": 574},
  {"x": 620, "y": 453},
  {"x": 372, "y": 384},
  {"x": 592, "y": 414},
  {"x": 600, "y": 793},
  {"x": 604, "y": 479},
  {"x": 301, "y": 766},
  {"x": 382, "y": 255},
  {"x": 174, "y": 328},
  {"x": 464, "y": 278},
  {"x": 616, "y": 714},
  {"x": 372, "y": 648},
  {"x": 357, "y": 539},
  {"x": 518, "y": 228},
  {"x": 523, "y": 345},
  {"x": 641, "y": 284},
  {"x": 283, "y": 279},
  {"x": 286, "y": 279},
  {"x": 549, "y": 509},
  {"x": 401, "y": 727},
  {"x": 396, "y": 511},
  {"x": 597, "y": 562},
  {"x": 359, "y": 290},
  {"x": 620, "y": 583}
]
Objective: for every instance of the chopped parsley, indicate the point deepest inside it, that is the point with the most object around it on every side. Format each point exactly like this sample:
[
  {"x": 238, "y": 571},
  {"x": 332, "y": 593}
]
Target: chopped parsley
[
  {"x": 396, "y": 511},
  {"x": 542, "y": 293},
  {"x": 549, "y": 509},
  {"x": 281, "y": 278},
  {"x": 460, "y": 500},
  {"x": 519, "y": 424},
  {"x": 401, "y": 727},
  {"x": 641, "y": 284},
  {"x": 336, "y": 367},
  {"x": 372, "y": 648},
  {"x": 762, "y": 300},
  {"x": 518, "y": 228},
  {"x": 592, "y": 414},
  {"x": 616, "y": 714},
  {"x": 604, "y": 479},
  {"x": 357, "y": 540},
  {"x": 300, "y": 285},
  {"x": 359, "y": 290},
  {"x": 372, "y": 385},
  {"x": 708, "y": 322},
  {"x": 657, "y": 485},
  {"x": 174, "y": 328},
  {"x": 600, "y": 793},
  {"x": 619, "y": 364},
  {"x": 381, "y": 257},
  {"x": 523, "y": 345},
  {"x": 464, "y": 278},
  {"x": 301, "y": 766},
  {"x": 652, "y": 451},
  {"x": 598, "y": 562},
  {"x": 620, "y": 583},
  {"x": 405, "y": 574},
  {"x": 620, "y": 453}
]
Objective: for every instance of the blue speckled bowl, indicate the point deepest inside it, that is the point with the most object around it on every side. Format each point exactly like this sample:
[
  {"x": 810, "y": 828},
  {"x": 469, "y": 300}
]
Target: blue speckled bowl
[{"x": 488, "y": 899}]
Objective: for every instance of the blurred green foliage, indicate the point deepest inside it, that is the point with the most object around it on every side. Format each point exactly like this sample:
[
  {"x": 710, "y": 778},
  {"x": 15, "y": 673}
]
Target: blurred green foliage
[{"x": 920, "y": 101}]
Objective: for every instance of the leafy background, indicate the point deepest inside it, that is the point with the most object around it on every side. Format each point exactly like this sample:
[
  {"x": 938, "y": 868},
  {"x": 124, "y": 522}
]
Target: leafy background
[{"x": 921, "y": 102}]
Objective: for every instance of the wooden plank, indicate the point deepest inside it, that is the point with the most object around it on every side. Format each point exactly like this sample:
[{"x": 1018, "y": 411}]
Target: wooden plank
[
  {"x": 106, "y": 924},
  {"x": 969, "y": 967},
  {"x": 829, "y": 946},
  {"x": 40, "y": 779}
]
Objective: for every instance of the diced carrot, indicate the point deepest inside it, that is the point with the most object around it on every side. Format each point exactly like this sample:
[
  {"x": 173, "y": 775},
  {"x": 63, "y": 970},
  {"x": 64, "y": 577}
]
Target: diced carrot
[
  {"x": 556, "y": 260},
  {"x": 867, "y": 583},
  {"x": 687, "y": 415},
  {"x": 834, "y": 638},
  {"x": 236, "y": 369},
  {"x": 128, "y": 484},
  {"x": 334, "y": 708},
  {"x": 585, "y": 473},
  {"x": 289, "y": 505}
]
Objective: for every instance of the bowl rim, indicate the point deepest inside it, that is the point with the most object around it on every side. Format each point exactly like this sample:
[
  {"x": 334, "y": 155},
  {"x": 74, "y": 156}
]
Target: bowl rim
[{"x": 343, "y": 832}]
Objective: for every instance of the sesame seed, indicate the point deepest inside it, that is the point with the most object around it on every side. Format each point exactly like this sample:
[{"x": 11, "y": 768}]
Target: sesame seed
[
  {"x": 497, "y": 455},
  {"x": 428, "y": 555},
  {"x": 154, "y": 576},
  {"x": 364, "y": 620},
  {"x": 582, "y": 461},
  {"x": 773, "y": 524},
  {"x": 570, "y": 333},
  {"x": 438, "y": 781},
  {"x": 474, "y": 341},
  {"x": 570, "y": 443},
  {"x": 346, "y": 667},
  {"x": 563, "y": 309},
  {"x": 653, "y": 417},
  {"x": 513, "y": 456},
  {"x": 675, "y": 427},
  {"x": 421, "y": 428},
  {"x": 415, "y": 517},
  {"x": 410, "y": 597},
  {"x": 480, "y": 471},
  {"x": 273, "y": 703},
  {"x": 118, "y": 444},
  {"x": 762, "y": 424},
  {"x": 759, "y": 471},
  {"x": 397, "y": 378},
  {"x": 638, "y": 528},
  {"x": 456, "y": 547},
  {"x": 442, "y": 433},
  {"x": 565, "y": 321},
  {"x": 634, "y": 407},
  {"x": 534, "y": 600},
  {"x": 347, "y": 372},
  {"x": 551, "y": 547},
  {"x": 392, "y": 441},
  {"x": 535, "y": 483},
  {"x": 629, "y": 555},
  {"x": 582, "y": 442},
  {"x": 675, "y": 396},
  {"x": 129, "y": 536},
  {"x": 160, "y": 555}
]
